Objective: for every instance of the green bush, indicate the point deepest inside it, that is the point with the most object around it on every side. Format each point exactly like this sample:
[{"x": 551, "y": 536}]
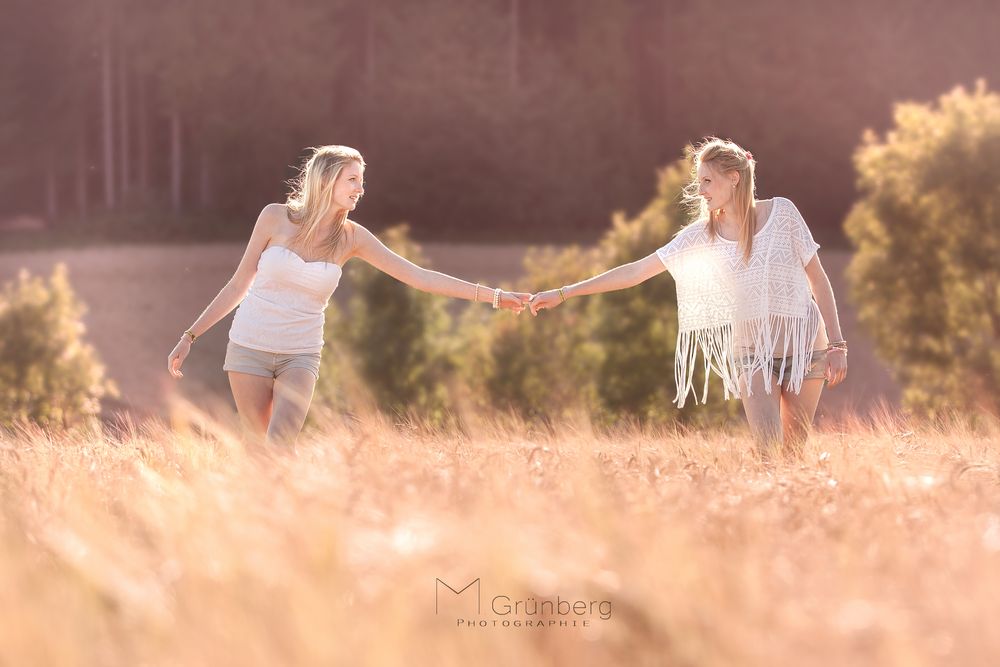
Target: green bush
[
  {"x": 926, "y": 274},
  {"x": 539, "y": 367},
  {"x": 48, "y": 375}
]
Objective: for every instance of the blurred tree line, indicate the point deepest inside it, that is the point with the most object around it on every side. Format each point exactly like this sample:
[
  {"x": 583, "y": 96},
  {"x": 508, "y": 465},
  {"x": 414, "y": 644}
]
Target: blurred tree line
[{"x": 480, "y": 120}]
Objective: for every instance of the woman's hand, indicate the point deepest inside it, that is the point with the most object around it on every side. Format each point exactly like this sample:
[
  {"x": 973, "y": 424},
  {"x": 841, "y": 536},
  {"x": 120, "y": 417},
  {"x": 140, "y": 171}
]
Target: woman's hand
[
  {"x": 177, "y": 357},
  {"x": 542, "y": 300},
  {"x": 514, "y": 300},
  {"x": 836, "y": 366}
]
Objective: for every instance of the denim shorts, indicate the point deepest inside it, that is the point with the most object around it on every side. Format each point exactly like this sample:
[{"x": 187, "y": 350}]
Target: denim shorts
[
  {"x": 268, "y": 364},
  {"x": 816, "y": 370}
]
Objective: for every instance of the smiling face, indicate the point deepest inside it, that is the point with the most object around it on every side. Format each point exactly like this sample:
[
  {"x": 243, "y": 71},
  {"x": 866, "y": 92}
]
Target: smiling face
[
  {"x": 349, "y": 186},
  {"x": 715, "y": 187}
]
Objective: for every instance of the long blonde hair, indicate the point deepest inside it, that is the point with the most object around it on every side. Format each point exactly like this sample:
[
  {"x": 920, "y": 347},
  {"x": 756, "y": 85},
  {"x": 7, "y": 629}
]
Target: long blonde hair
[
  {"x": 311, "y": 197},
  {"x": 724, "y": 156}
]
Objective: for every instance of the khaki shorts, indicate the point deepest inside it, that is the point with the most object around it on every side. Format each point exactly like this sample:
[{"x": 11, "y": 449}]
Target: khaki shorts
[
  {"x": 268, "y": 364},
  {"x": 816, "y": 370}
]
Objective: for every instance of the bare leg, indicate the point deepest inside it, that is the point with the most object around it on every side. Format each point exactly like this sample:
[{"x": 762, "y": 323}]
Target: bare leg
[
  {"x": 293, "y": 392},
  {"x": 797, "y": 412},
  {"x": 763, "y": 415},
  {"x": 253, "y": 396}
]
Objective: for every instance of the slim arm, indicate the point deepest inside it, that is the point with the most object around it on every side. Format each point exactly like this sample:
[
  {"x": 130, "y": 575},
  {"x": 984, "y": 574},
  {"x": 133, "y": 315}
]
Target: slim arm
[
  {"x": 821, "y": 288},
  {"x": 236, "y": 289},
  {"x": 620, "y": 277},
  {"x": 224, "y": 302},
  {"x": 233, "y": 292},
  {"x": 373, "y": 251}
]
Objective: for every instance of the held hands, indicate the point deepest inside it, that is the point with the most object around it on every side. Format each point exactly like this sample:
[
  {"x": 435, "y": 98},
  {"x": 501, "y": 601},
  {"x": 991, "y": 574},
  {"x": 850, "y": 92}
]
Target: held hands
[
  {"x": 548, "y": 299},
  {"x": 515, "y": 301},
  {"x": 176, "y": 358},
  {"x": 501, "y": 298}
]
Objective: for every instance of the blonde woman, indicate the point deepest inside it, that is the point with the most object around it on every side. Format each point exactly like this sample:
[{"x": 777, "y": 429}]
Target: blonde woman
[
  {"x": 292, "y": 264},
  {"x": 752, "y": 297}
]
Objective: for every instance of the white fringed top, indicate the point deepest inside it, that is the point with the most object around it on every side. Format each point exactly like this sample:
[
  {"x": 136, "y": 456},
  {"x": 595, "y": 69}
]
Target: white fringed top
[
  {"x": 742, "y": 314},
  {"x": 283, "y": 311}
]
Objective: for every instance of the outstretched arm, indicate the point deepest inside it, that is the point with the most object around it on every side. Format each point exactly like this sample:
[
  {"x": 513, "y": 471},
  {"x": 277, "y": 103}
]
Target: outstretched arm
[
  {"x": 373, "y": 251},
  {"x": 620, "y": 277}
]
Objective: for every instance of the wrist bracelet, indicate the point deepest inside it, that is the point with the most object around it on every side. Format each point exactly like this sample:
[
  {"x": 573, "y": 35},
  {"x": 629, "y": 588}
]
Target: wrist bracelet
[
  {"x": 562, "y": 294},
  {"x": 190, "y": 335},
  {"x": 496, "y": 298},
  {"x": 476, "y": 297}
]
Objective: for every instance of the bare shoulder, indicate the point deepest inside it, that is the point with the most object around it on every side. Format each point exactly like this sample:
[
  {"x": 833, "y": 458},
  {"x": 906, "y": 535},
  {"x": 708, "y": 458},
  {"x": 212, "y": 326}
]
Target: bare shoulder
[
  {"x": 273, "y": 216},
  {"x": 279, "y": 222},
  {"x": 357, "y": 239},
  {"x": 264, "y": 230},
  {"x": 268, "y": 222},
  {"x": 356, "y": 232}
]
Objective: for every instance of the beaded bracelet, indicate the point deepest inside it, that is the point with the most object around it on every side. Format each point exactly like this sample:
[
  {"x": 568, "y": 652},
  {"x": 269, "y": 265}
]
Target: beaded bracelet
[
  {"x": 476, "y": 297},
  {"x": 496, "y": 298}
]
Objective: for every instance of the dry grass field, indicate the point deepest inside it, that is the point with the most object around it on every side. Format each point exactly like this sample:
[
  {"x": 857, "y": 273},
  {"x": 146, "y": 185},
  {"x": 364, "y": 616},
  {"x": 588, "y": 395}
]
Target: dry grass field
[
  {"x": 142, "y": 297},
  {"x": 159, "y": 544}
]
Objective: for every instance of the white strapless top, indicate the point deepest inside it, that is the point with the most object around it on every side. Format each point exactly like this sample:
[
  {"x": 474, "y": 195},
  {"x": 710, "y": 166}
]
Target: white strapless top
[{"x": 283, "y": 311}]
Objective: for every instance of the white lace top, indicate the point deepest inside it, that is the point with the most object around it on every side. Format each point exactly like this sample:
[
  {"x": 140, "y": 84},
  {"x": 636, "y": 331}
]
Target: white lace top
[
  {"x": 284, "y": 310},
  {"x": 743, "y": 314}
]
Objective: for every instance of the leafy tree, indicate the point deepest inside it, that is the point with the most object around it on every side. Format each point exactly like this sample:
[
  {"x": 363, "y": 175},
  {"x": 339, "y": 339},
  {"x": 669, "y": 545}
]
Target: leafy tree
[
  {"x": 48, "y": 375},
  {"x": 926, "y": 275}
]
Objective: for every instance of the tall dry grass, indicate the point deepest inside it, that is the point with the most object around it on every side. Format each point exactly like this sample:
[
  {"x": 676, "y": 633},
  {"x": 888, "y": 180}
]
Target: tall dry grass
[{"x": 170, "y": 545}]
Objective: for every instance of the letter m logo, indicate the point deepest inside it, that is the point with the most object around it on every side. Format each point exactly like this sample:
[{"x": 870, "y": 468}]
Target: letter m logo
[{"x": 437, "y": 590}]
